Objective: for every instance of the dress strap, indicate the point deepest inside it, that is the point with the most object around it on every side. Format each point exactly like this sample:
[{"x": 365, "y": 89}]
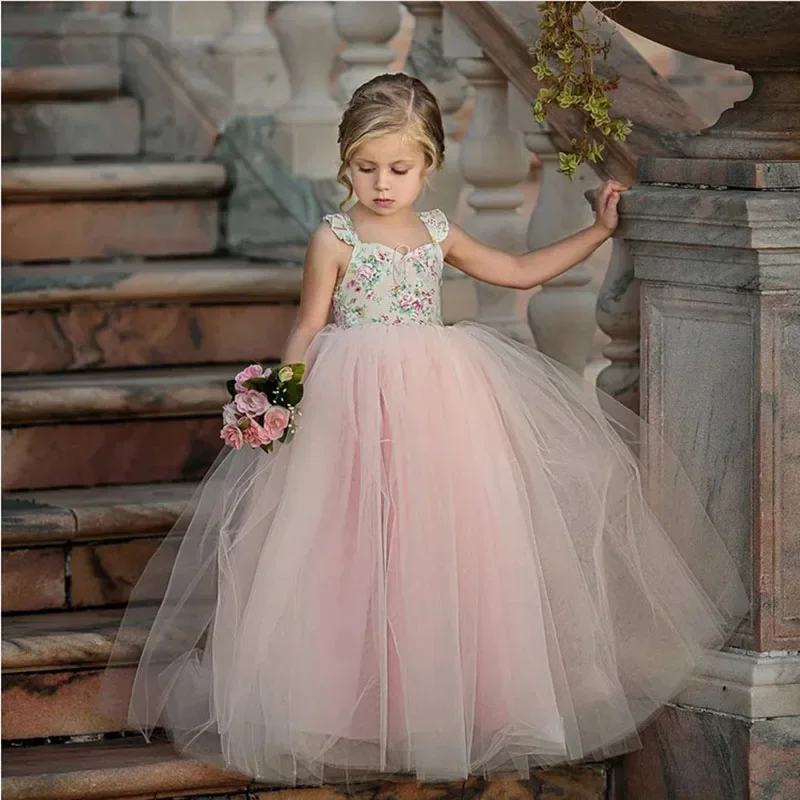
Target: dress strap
[
  {"x": 436, "y": 223},
  {"x": 343, "y": 227}
]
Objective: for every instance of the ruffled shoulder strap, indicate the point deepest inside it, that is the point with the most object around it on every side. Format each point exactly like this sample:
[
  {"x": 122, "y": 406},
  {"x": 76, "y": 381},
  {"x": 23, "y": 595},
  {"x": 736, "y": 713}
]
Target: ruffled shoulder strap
[
  {"x": 343, "y": 227},
  {"x": 436, "y": 223}
]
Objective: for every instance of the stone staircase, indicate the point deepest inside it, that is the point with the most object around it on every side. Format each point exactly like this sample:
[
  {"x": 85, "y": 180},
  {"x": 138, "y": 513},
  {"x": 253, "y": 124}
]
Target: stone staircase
[{"x": 122, "y": 317}]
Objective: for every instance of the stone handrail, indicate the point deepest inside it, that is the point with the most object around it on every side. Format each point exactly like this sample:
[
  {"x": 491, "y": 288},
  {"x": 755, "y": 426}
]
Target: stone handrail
[{"x": 504, "y": 32}]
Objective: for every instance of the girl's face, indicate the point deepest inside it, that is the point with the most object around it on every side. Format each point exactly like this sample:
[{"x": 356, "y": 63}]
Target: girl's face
[{"x": 388, "y": 173}]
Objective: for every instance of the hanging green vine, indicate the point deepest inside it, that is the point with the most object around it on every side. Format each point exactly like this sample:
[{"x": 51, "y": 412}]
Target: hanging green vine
[{"x": 565, "y": 54}]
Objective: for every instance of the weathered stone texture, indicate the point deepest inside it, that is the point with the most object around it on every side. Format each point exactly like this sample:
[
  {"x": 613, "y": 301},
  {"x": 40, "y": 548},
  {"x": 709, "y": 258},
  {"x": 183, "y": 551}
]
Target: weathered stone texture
[
  {"x": 100, "y": 337},
  {"x": 59, "y": 129},
  {"x": 38, "y": 704},
  {"x": 61, "y": 231},
  {"x": 44, "y": 456},
  {"x": 33, "y": 579},
  {"x": 693, "y": 755},
  {"x": 104, "y": 574}
]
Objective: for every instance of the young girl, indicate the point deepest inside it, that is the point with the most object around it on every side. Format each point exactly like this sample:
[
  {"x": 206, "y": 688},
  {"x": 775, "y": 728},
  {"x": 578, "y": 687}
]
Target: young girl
[{"x": 457, "y": 566}]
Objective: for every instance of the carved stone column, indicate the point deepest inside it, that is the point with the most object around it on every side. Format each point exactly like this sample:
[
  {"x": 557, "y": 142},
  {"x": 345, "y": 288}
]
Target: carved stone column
[
  {"x": 366, "y": 27},
  {"x": 618, "y": 317},
  {"x": 562, "y": 313},
  {"x": 494, "y": 161},
  {"x": 246, "y": 62},
  {"x": 428, "y": 62},
  {"x": 305, "y": 130}
]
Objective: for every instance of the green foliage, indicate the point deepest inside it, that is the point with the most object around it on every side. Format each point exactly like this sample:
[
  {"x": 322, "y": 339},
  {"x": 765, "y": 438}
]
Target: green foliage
[{"x": 564, "y": 65}]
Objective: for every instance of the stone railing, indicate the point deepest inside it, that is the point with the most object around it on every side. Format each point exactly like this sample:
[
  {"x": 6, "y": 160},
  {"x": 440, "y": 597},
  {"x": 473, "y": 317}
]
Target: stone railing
[{"x": 261, "y": 55}]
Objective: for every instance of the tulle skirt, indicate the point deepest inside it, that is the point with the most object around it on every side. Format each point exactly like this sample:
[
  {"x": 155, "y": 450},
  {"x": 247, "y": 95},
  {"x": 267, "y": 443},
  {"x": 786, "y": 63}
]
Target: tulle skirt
[{"x": 460, "y": 566}]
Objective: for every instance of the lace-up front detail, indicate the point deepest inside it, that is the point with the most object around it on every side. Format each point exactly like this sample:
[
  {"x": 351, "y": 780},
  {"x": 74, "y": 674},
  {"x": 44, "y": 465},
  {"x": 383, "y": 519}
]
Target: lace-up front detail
[{"x": 390, "y": 286}]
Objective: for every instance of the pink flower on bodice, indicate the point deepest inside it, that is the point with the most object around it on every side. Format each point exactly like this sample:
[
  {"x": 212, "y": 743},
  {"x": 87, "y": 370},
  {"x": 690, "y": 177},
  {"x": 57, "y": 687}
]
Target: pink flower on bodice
[
  {"x": 364, "y": 272},
  {"x": 407, "y": 301}
]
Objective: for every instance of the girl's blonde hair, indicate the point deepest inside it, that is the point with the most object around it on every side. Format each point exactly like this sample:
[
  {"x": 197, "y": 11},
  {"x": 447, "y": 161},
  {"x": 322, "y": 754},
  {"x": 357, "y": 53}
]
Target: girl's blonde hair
[{"x": 391, "y": 104}]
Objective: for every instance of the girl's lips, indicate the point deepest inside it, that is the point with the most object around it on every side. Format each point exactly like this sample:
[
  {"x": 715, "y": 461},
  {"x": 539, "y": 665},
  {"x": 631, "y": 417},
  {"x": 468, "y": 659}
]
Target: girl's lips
[{"x": 382, "y": 201}]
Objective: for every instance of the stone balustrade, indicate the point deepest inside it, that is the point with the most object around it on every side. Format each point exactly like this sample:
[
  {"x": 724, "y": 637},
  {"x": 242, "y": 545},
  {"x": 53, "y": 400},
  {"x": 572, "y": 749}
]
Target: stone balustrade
[{"x": 259, "y": 54}]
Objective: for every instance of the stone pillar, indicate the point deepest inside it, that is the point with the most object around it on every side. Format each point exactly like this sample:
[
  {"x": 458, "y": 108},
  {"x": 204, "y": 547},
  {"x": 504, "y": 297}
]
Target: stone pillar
[
  {"x": 720, "y": 280},
  {"x": 494, "y": 161},
  {"x": 428, "y": 62},
  {"x": 617, "y": 315},
  {"x": 306, "y": 126},
  {"x": 366, "y": 27},
  {"x": 245, "y": 61},
  {"x": 562, "y": 313}
]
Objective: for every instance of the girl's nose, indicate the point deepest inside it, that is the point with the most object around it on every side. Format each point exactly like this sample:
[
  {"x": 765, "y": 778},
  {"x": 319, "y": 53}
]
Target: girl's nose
[{"x": 381, "y": 180}]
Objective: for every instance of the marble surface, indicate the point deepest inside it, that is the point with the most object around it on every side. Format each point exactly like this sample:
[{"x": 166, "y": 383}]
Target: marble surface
[
  {"x": 49, "y": 456},
  {"x": 35, "y": 130},
  {"x": 690, "y": 754},
  {"x": 41, "y": 704},
  {"x": 46, "y": 642},
  {"x": 112, "y": 768},
  {"x": 109, "y": 229},
  {"x": 103, "y": 337},
  {"x": 34, "y": 579},
  {"x": 720, "y": 281},
  {"x": 62, "y": 516},
  {"x": 177, "y": 391},
  {"x": 104, "y": 574},
  {"x": 270, "y": 213}
]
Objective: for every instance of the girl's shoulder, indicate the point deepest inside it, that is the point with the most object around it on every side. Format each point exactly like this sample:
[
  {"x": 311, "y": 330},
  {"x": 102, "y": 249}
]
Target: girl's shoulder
[
  {"x": 342, "y": 227},
  {"x": 437, "y": 224}
]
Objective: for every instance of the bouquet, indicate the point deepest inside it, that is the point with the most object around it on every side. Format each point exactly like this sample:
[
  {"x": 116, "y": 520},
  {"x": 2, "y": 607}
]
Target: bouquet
[{"x": 263, "y": 406}]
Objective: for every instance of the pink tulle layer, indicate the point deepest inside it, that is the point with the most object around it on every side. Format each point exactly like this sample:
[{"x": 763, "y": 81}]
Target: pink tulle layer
[{"x": 452, "y": 570}]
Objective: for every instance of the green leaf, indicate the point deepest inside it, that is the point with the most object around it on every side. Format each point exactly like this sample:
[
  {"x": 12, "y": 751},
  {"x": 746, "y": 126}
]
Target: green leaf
[{"x": 231, "y": 387}]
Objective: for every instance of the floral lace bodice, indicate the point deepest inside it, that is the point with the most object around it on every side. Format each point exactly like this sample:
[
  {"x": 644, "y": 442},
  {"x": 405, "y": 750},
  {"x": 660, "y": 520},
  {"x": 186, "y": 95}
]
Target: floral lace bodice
[{"x": 390, "y": 286}]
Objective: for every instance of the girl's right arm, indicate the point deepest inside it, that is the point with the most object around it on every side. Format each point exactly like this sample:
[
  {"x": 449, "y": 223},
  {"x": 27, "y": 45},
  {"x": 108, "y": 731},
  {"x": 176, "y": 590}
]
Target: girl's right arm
[{"x": 320, "y": 270}]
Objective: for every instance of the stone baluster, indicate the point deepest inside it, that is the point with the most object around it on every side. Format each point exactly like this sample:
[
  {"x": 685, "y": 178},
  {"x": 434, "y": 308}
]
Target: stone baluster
[
  {"x": 367, "y": 29},
  {"x": 618, "y": 316},
  {"x": 427, "y": 61},
  {"x": 306, "y": 126},
  {"x": 494, "y": 162},
  {"x": 246, "y": 62},
  {"x": 187, "y": 24},
  {"x": 562, "y": 313}
]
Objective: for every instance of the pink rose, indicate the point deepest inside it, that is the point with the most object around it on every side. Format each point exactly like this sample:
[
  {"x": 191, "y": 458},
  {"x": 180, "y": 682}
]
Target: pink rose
[
  {"x": 253, "y": 371},
  {"x": 251, "y": 402},
  {"x": 275, "y": 421},
  {"x": 255, "y": 435},
  {"x": 232, "y": 436}
]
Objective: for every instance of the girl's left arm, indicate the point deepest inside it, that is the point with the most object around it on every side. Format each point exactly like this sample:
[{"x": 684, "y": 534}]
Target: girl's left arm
[{"x": 537, "y": 266}]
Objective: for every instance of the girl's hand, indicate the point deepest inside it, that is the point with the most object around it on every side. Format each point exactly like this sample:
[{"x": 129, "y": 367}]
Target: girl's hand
[{"x": 606, "y": 199}]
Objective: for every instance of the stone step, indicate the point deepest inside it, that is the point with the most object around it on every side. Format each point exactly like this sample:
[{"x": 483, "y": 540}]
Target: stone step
[
  {"x": 39, "y": 232},
  {"x": 111, "y": 427},
  {"x": 129, "y": 768},
  {"x": 42, "y": 183},
  {"x": 53, "y": 668},
  {"x": 105, "y": 316},
  {"x": 57, "y": 82},
  {"x": 58, "y": 130},
  {"x": 101, "y": 211},
  {"x": 52, "y": 37},
  {"x": 82, "y": 548}
]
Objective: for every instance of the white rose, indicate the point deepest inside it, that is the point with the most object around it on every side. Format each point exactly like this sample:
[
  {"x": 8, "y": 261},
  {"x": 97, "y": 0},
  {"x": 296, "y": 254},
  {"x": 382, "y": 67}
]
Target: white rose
[
  {"x": 229, "y": 416},
  {"x": 285, "y": 374}
]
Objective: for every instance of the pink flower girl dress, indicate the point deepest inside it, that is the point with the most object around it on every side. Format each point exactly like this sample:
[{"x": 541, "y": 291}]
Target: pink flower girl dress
[{"x": 459, "y": 565}]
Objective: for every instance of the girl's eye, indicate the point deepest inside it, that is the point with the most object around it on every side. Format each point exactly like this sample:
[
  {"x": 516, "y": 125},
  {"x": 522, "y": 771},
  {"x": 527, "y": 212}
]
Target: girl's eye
[
  {"x": 400, "y": 171},
  {"x": 366, "y": 169}
]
